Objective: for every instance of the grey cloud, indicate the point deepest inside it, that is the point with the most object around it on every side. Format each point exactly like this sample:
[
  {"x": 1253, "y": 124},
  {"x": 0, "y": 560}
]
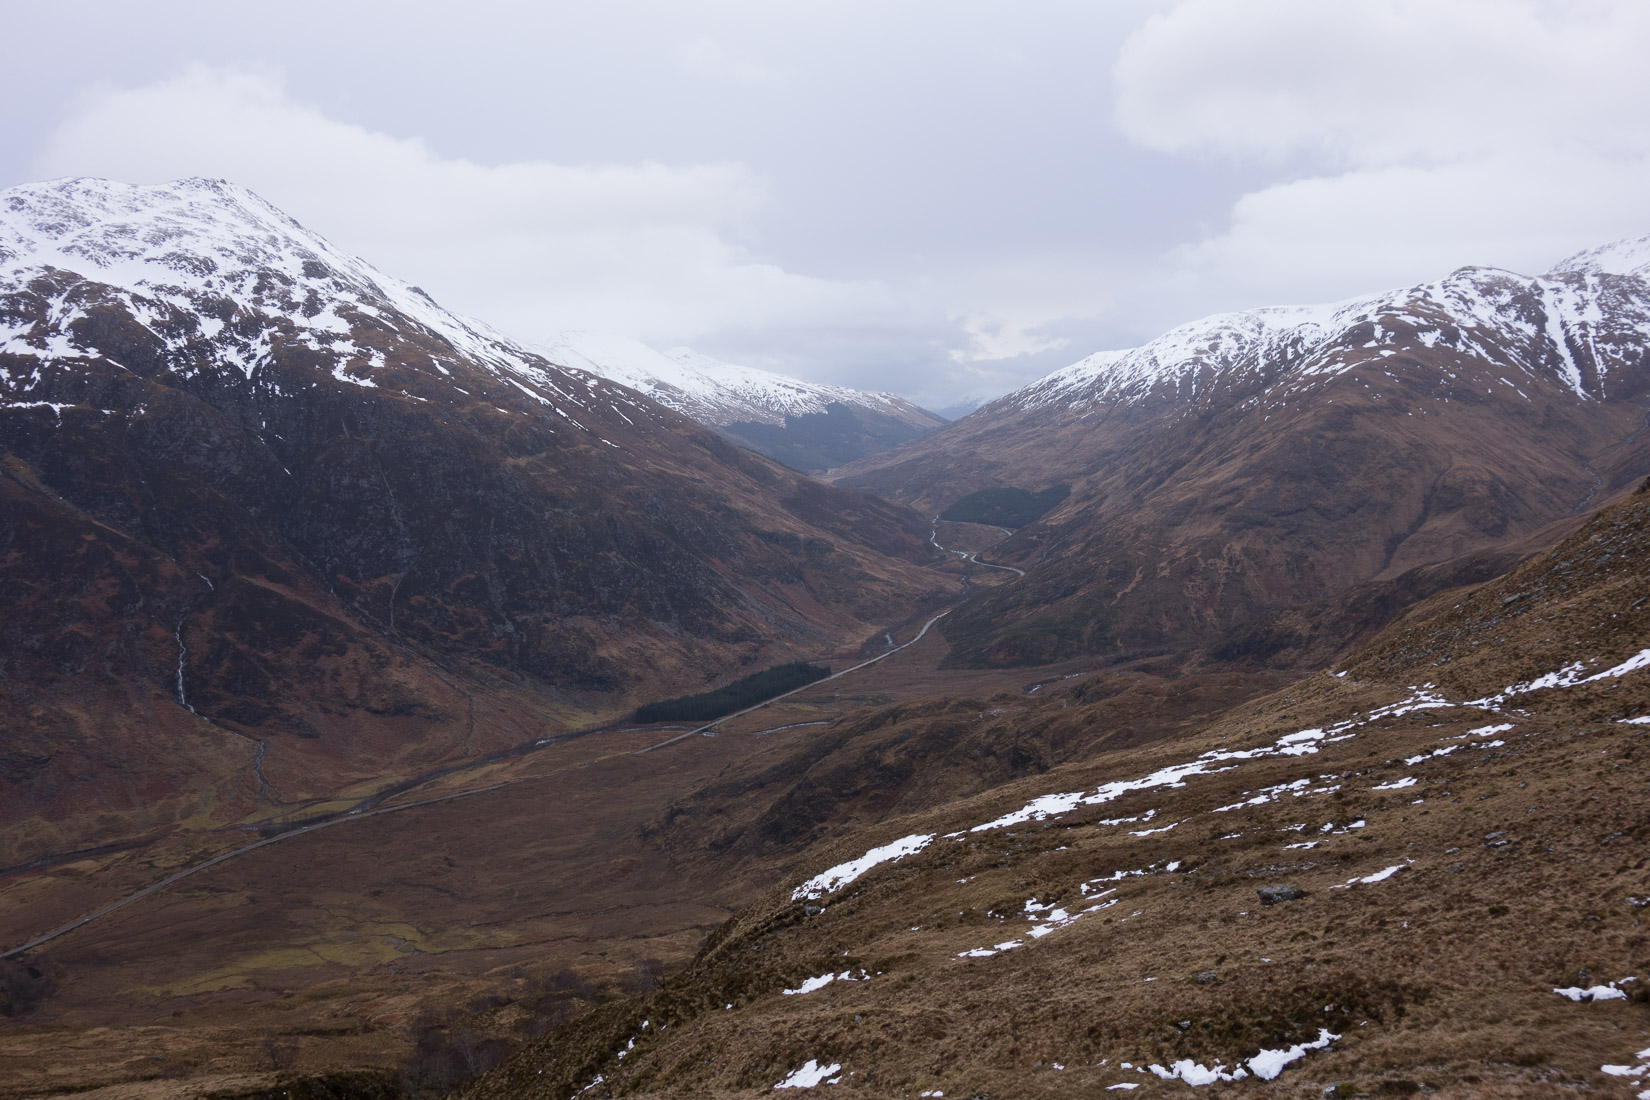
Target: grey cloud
[{"x": 937, "y": 196}]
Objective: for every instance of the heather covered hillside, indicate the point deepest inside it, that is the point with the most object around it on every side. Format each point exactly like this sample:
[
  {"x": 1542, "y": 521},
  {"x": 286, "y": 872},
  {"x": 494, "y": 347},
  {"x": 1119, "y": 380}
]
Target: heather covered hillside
[
  {"x": 657, "y": 551},
  {"x": 276, "y": 524},
  {"x": 1237, "y": 480},
  {"x": 1415, "y": 873}
]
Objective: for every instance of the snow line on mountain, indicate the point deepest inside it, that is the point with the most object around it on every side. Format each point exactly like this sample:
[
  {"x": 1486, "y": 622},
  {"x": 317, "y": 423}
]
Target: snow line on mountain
[{"x": 1531, "y": 324}]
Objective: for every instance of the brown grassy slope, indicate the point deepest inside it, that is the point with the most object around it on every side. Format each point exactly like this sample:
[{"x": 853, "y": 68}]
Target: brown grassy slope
[
  {"x": 1521, "y": 852},
  {"x": 1199, "y": 513},
  {"x": 360, "y": 578},
  {"x": 337, "y": 943},
  {"x": 885, "y": 762}
]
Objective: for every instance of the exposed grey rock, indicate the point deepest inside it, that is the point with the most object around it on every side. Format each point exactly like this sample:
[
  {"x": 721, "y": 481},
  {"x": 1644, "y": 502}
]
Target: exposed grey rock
[{"x": 1271, "y": 895}]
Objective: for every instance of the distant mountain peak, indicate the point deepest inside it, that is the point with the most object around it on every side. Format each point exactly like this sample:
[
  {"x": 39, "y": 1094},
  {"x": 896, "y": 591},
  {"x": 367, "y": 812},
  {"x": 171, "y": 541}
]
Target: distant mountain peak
[
  {"x": 806, "y": 425},
  {"x": 1628, "y": 256},
  {"x": 710, "y": 390}
]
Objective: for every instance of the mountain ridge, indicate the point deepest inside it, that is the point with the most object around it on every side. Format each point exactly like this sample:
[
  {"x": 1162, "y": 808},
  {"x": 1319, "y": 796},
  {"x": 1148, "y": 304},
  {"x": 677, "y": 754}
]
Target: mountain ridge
[
  {"x": 259, "y": 494},
  {"x": 806, "y": 425},
  {"x": 1250, "y": 464},
  {"x": 1242, "y": 341}
]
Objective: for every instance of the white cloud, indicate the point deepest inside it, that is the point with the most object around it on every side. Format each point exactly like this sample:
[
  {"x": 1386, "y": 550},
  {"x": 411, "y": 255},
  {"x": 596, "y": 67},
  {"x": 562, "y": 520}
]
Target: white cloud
[
  {"x": 706, "y": 57},
  {"x": 997, "y": 337},
  {"x": 1383, "y": 82},
  {"x": 1413, "y": 136},
  {"x": 642, "y": 249},
  {"x": 1330, "y": 237}
]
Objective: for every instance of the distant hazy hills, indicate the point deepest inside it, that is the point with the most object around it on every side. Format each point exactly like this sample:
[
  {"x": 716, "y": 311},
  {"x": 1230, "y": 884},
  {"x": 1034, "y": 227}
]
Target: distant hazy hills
[
  {"x": 806, "y": 426},
  {"x": 1231, "y": 476}
]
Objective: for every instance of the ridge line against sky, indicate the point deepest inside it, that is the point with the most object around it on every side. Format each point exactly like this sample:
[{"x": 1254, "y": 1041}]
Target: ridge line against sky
[{"x": 939, "y": 199}]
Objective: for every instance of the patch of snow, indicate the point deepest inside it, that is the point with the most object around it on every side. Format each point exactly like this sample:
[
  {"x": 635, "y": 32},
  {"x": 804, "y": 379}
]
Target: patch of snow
[
  {"x": 1258, "y": 800},
  {"x": 1568, "y": 676},
  {"x": 1147, "y": 816},
  {"x": 844, "y": 873},
  {"x": 1640, "y": 1070},
  {"x": 1639, "y": 660},
  {"x": 1266, "y": 1065},
  {"x": 1379, "y": 876},
  {"x": 1209, "y": 763},
  {"x": 1596, "y": 993},
  {"x": 811, "y": 1074},
  {"x": 1269, "y": 1063},
  {"x": 1194, "y": 1073},
  {"x": 811, "y": 984}
]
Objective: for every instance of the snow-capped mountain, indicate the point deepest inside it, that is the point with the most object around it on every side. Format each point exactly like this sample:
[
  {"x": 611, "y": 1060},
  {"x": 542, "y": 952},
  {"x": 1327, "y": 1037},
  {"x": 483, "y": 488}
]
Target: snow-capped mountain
[
  {"x": 260, "y": 496},
  {"x": 962, "y": 406},
  {"x": 1596, "y": 300},
  {"x": 194, "y": 261},
  {"x": 805, "y": 425},
  {"x": 1248, "y": 465},
  {"x": 711, "y": 391},
  {"x": 221, "y": 278}
]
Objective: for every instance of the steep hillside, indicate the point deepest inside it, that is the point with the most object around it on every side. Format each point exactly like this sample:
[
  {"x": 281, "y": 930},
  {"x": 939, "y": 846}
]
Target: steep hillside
[
  {"x": 806, "y": 426},
  {"x": 1420, "y": 873},
  {"x": 1249, "y": 464},
  {"x": 276, "y": 524}
]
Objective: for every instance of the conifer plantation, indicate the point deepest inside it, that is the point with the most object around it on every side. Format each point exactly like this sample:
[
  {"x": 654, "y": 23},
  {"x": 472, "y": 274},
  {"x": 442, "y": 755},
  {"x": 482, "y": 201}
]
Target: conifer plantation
[{"x": 747, "y": 692}]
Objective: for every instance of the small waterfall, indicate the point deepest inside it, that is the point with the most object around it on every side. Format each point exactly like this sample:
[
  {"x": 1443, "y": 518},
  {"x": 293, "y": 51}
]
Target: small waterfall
[{"x": 183, "y": 652}]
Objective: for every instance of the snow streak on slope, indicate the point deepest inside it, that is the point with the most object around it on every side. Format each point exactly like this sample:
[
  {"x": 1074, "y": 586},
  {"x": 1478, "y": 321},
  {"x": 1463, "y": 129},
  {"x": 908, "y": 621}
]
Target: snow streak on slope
[
  {"x": 709, "y": 390},
  {"x": 1593, "y": 309},
  {"x": 219, "y": 275},
  {"x": 1300, "y": 744}
]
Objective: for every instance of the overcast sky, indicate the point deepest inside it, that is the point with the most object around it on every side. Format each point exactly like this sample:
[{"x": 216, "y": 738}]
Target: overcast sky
[{"x": 937, "y": 198}]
